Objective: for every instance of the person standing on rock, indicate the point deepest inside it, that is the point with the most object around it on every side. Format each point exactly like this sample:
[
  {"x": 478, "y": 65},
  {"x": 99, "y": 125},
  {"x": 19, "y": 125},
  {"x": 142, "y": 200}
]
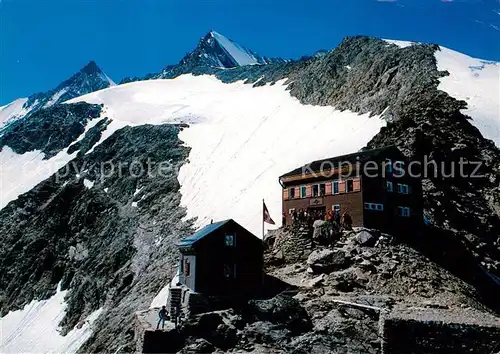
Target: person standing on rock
[
  {"x": 347, "y": 221},
  {"x": 302, "y": 216},
  {"x": 162, "y": 314},
  {"x": 336, "y": 220},
  {"x": 176, "y": 315}
]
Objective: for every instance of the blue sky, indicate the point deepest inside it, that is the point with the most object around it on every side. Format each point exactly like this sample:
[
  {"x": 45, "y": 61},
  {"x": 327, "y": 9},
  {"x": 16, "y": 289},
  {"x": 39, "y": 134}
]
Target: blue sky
[{"x": 42, "y": 42}]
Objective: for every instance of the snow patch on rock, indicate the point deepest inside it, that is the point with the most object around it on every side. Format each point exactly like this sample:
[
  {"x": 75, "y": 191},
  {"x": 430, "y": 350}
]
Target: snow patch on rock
[
  {"x": 20, "y": 173},
  {"x": 87, "y": 183},
  {"x": 400, "y": 44},
  {"x": 36, "y": 328}
]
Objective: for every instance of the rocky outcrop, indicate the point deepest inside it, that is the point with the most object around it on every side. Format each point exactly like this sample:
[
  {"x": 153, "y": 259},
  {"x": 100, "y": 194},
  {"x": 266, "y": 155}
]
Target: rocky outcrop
[
  {"x": 280, "y": 310},
  {"x": 388, "y": 293},
  {"x": 349, "y": 306},
  {"x": 50, "y": 130},
  {"x": 110, "y": 244},
  {"x": 289, "y": 244}
]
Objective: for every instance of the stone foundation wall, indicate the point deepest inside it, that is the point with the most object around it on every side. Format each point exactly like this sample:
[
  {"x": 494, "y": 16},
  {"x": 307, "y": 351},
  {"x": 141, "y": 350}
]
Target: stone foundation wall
[{"x": 405, "y": 336}]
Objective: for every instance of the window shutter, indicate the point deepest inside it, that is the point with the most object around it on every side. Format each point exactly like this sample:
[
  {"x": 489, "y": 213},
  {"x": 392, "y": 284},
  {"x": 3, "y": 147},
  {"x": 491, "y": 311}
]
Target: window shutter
[
  {"x": 341, "y": 186},
  {"x": 328, "y": 189},
  {"x": 356, "y": 185},
  {"x": 285, "y": 193},
  {"x": 308, "y": 191}
]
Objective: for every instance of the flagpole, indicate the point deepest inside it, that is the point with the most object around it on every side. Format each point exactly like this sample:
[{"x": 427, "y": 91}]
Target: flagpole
[{"x": 262, "y": 218}]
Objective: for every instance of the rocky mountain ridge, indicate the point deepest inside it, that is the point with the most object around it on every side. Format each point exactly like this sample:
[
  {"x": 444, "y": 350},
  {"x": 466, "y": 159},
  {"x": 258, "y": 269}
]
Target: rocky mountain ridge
[
  {"x": 89, "y": 79},
  {"x": 214, "y": 51}
]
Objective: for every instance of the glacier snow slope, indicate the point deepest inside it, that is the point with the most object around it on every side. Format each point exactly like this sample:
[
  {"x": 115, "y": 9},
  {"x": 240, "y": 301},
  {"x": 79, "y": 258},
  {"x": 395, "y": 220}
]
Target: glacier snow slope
[
  {"x": 242, "y": 139},
  {"x": 12, "y": 111},
  {"x": 474, "y": 81},
  {"x": 477, "y": 82},
  {"x": 35, "y": 328}
]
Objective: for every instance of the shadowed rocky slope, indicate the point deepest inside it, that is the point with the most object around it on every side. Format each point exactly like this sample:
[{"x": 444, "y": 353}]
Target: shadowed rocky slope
[{"x": 95, "y": 241}]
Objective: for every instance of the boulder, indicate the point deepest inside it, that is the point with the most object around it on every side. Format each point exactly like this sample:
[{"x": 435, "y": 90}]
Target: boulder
[
  {"x": 326, "y": 260},
  {"x": 281, "y": 310},
  {"x": 320, "y": 230},
  {"x": 311, "y": 283},
  {"x": 200, "y": 345},
  {"x": 365, "y": 238},
  {"x": 204, "y": 323},
  {"x": 263, "y": 332},
  {"x": 211, "y": 327}
]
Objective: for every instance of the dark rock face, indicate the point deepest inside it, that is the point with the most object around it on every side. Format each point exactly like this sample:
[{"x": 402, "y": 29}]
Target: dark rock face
[
  {"x": 272, "y": 323},
  {"x": 199, "y": 345},
  {"x": 50, "y": 130},
  {"x": 467, "y": 203},
  {"x": 93, "y": 241},
  {"x": 211, "y": 327}
]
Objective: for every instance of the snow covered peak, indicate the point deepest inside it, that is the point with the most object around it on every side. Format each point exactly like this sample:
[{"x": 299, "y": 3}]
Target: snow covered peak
[
  {"x": 240, "y": 55},
  {"x": 216, "y": 50}
]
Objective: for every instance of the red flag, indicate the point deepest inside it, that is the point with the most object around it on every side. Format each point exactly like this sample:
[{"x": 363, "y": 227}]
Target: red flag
[{"x": 267, "y": 216}]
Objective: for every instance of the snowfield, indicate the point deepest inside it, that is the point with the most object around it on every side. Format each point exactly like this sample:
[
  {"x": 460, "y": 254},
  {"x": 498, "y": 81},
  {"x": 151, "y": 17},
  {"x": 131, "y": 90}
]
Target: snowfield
[
  {"x": 242, "y": 139},
  {"x": 477, "y": 82},
  {"x": 12, "y": 111},
  {"x": 20, "y": 173},
  {"x": 35, "y": 328},
  {"x": 474, "y": 81}
]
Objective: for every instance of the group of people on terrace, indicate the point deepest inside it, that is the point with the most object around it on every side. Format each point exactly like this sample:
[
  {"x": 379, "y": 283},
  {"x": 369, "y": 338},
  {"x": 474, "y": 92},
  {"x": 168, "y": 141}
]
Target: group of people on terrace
[{"x": 334, "y": 218}]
